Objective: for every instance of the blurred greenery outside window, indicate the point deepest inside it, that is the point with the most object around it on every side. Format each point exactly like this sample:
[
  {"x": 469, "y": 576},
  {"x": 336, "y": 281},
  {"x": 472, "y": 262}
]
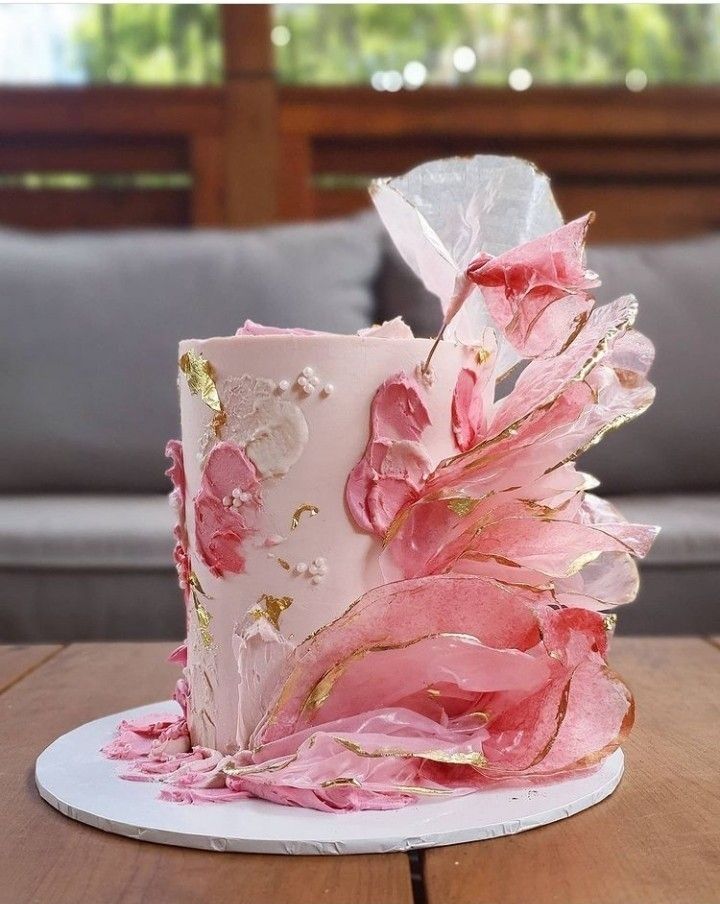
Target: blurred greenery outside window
[
  {"x": 405, "y": 47},
  {"x": 391, "y": 47},
  {"x": 388, "y": 47}
]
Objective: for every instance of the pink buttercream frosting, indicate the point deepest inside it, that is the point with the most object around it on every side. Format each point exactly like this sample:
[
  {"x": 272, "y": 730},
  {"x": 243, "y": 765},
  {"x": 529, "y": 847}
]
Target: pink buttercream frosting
[
  {"x": 395, "y": 464},
  {"x": 221, "y": 526}
]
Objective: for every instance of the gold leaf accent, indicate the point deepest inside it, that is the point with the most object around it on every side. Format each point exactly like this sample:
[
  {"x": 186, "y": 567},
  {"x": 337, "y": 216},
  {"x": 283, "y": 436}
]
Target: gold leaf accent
[
  {"x": 559, "y": 719},
  {"x": 218, "y": 422},
  {"x": 340, "y": 782},
  {"x": 274, "y": 607},
  {"x": 195, "y": 584},
  {"x": 432, "y": 691},
  {"x": 462, "y": 506},
  {"x": 200, "y": 376},
  {"x": 581, "y": 561},
  {"x": 283, "y": 563},
  {"x": 311, "y": 510},
  {"x": 319, "y": 694},
  {"x": 413, "y": 789},
  {"x": 609, "y": 622},
  {"x": 484, "y": 717},
  {"x": 203, "y": 617},
  {"x": 545, "y": 511},
  {"x": 201, "y": 612},
  {"x": 466, "y": 758},
  {"x": 254, "y": 768},
  {"x": 481, "y": 355},
  {"x": 490, "y": 557}
]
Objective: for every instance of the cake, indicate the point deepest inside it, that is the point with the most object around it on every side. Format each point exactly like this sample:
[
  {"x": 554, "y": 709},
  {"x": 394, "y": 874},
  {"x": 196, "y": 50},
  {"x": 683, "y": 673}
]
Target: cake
[{"x": 396, "y": 579}]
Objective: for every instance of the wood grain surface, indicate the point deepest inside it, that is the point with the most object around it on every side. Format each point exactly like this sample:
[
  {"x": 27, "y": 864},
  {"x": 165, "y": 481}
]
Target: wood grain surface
[
  {"x": 655, "y": 840},
  {"x": 47, "y": 859},
  {"x": 18, "y": 661}
]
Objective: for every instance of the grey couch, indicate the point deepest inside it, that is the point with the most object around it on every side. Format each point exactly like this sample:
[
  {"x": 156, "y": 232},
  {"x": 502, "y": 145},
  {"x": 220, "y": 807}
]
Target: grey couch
[{"x": 88, "y": 363}]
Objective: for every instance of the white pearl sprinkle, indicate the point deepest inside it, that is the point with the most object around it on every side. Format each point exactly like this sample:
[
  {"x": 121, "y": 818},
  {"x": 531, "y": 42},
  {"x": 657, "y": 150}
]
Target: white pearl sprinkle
[
  {"x": 227, "y": 501},
  {"x": 308, "y": 389},
  {"x": 236, "y": 493},
  {"x": 328, "y": 389},
  {"x": 308, "y": 372},
  {"x": 245, "y": 497},
  {"x": 315, "y": 381},
  {"x": 236, "y": 503},
  {"x": 322, "y": 569},
  {"x": 316, "y": 579},
  {"x": 300, "y": 568},
  {"x": 320, "y": 561},
  {"x": 301, "y": 381},
  {"x": 313, "y": 569},
  {"x": 283, "y": 385}
]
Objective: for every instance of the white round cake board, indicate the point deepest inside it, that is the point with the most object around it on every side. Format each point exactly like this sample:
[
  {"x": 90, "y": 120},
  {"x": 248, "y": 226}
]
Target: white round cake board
[{"x": 75, "y": 778}]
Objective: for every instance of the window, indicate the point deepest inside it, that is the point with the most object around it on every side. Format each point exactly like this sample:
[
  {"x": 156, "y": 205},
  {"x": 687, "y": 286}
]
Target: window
[
  {"x": 393, "y": 47},
  {"x": 390, "y": 47},
  {"x": 116, "y": 43}
]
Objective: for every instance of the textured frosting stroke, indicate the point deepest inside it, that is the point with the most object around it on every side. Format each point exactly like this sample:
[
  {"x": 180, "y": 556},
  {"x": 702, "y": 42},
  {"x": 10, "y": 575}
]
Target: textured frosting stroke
[
  {"x": 221, "y": 526},
  {"x": 272, "y": 431},
  {"x": 395, "y": 464}
]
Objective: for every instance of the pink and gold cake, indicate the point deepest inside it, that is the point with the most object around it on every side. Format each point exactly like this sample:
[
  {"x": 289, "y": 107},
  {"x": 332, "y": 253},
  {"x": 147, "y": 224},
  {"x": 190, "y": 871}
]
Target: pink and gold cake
[{"x": 396, "y": 579}]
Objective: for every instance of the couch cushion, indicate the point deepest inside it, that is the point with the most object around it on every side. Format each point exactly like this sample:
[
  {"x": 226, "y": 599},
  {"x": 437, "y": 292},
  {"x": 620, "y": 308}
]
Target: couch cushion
[
  {"x": 92, "y": 321},
  {"x": 135, "y": 532},
  {"x": 690, "y": 526},
  {"x": 676, "y": 445},
  {"x": 93, "y": 532}
]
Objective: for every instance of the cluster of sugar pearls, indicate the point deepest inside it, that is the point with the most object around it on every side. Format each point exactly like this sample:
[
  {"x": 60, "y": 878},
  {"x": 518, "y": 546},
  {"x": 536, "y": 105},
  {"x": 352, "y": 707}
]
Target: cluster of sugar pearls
[
  {"x": 237, "y": 498},
  {"x": 316, "y": 570},
  {"x": 308, "y": 381}
]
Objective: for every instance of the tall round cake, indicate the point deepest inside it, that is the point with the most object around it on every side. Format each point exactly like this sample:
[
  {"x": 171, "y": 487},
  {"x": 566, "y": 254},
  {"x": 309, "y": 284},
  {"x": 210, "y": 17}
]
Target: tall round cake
[{"x": 395, "y": 575}]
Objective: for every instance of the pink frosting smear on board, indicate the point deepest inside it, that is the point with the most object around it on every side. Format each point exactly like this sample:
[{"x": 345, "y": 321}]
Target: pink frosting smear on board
[{"x": 483, "y": 657}]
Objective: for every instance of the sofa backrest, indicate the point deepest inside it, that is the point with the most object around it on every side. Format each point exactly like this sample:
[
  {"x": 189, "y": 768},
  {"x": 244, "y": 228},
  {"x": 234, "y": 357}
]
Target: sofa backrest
[
  {"x": 675, "y": 445},
  {"x": 91, "y": 323}
]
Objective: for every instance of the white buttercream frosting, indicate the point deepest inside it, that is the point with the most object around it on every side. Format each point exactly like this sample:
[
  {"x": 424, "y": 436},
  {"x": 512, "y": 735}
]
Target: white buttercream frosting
[{"x": 272, "y": 430}]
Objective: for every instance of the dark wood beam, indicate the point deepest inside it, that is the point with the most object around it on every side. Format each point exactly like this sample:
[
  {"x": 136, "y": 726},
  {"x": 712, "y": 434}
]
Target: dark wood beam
[{"x": 251, "y": 116}]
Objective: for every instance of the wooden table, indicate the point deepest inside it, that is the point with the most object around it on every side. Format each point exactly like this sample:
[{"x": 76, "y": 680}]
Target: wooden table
[{"x": 657, "y": 839}]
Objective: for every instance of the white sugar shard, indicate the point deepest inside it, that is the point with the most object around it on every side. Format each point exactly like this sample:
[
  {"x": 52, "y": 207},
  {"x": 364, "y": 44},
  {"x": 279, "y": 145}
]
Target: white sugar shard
[{"x": 442, "y": 215}]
